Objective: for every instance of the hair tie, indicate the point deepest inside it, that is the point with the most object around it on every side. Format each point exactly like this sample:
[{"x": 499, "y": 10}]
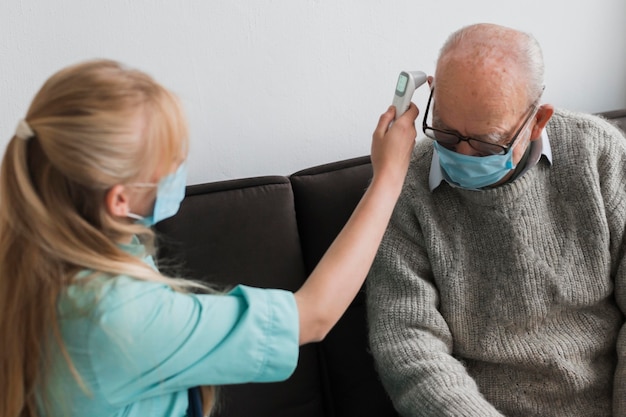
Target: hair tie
[{"x": 23, "y": 130}]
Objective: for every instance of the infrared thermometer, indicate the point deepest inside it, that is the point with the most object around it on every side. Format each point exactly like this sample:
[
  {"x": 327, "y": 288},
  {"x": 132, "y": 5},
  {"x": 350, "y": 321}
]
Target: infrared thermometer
[{"x": 408, "y": 81}]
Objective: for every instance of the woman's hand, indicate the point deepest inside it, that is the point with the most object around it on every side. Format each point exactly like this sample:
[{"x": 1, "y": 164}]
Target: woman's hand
[{"x": 392, "y": 144}]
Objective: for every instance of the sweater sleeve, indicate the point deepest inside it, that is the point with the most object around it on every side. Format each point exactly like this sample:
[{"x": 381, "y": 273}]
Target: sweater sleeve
[
  {"x": 613, "y": 187},
  {"x": 409, "y": 338},
  {"x": 619, "y": 383},
  {"x": 150, "y": 340}
]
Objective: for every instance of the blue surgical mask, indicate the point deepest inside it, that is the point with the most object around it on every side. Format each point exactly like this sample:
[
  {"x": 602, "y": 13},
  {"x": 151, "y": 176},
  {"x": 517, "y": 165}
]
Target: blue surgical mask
[
  {"x": 170, "y": 193},
  {"x": 473, "y": 172}
]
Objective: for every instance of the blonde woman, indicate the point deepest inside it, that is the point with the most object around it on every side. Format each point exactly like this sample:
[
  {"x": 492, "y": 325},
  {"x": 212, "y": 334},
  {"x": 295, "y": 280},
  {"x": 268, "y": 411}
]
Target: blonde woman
[{"x": 89, "y": 327}]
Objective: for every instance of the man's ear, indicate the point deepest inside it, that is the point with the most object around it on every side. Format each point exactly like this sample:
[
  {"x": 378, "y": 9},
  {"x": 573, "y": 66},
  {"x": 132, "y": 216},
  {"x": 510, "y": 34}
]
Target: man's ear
[
  {"x": 116, "y": 201},
  {"x": 542, "y": 117}
]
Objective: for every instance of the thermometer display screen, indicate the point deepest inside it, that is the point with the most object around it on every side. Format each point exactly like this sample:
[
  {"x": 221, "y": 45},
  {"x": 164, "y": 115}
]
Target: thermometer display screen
[{"x": 401, "y": 86}]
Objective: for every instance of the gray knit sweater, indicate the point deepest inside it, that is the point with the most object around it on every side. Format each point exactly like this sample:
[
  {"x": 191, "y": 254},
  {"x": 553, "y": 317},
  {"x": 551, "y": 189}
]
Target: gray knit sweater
[{"x": 508, "y": 301}]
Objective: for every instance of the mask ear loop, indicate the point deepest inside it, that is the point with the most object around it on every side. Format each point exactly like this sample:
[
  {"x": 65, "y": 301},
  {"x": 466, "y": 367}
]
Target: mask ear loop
[{"x": 134, "y": 216}]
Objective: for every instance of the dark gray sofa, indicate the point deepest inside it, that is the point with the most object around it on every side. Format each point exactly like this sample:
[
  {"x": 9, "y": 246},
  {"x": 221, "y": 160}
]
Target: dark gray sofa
[{"x": 271, "y": 231}]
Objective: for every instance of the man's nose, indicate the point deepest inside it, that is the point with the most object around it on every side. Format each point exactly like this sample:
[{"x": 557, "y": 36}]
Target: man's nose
[{"x": 463, "y": 147}]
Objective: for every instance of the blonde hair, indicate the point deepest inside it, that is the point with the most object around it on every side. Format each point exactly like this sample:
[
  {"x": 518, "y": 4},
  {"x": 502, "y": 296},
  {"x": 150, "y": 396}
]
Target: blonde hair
[{"x": 96, "y": 124}]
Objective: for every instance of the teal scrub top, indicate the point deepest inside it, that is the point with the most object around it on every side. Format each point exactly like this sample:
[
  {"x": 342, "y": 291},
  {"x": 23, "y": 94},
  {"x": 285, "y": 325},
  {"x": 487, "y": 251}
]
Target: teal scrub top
[{"x": 139, "y": 346}]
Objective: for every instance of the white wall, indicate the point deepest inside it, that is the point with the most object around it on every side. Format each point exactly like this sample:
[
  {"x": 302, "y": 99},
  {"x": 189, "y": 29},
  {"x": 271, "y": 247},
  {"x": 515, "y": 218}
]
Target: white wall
[{"x": 275, "y": 86}]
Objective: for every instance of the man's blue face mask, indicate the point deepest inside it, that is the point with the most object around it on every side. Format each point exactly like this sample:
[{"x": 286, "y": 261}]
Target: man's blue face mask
[
  {"x": 473, "y": 172},
  {"x": 170, "y": 193}
]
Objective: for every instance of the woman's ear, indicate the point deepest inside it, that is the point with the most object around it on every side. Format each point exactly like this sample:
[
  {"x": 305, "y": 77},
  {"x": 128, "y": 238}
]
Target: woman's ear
[
  {"x": 542, "y": 117},
  {"x": 116, "y": 201}
]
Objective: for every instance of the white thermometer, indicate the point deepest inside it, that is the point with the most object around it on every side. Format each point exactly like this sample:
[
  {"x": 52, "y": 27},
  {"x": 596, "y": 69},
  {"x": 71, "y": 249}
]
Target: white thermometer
[{"x": 408, "y": 81}]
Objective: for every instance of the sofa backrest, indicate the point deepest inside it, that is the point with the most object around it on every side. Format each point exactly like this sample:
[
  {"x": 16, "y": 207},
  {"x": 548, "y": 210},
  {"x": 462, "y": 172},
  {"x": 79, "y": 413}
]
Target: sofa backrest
[{"x": 617, "y": 117}]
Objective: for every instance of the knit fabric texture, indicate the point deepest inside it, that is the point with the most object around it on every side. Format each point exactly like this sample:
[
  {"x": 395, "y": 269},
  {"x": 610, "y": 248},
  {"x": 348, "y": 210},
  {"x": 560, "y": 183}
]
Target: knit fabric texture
[{"x": 508, "y": 301}]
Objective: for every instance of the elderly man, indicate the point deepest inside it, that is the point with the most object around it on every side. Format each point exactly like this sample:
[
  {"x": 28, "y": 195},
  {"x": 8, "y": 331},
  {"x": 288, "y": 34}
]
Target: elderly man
[{"x": 499, "y": 288}]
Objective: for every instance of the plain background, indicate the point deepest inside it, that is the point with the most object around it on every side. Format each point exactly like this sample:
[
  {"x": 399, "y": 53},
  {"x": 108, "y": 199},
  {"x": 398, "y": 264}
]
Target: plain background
[{"x": 274, "y": 86}]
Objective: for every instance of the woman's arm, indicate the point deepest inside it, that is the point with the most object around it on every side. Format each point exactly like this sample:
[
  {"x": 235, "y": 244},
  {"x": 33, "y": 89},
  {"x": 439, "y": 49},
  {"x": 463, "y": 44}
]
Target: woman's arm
[{"x": 339, "y": 275}]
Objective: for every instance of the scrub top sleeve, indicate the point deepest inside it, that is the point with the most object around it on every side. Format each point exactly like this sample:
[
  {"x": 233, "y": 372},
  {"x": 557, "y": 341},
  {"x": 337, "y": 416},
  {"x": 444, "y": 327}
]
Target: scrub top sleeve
[{"x": 150, "y": 340}]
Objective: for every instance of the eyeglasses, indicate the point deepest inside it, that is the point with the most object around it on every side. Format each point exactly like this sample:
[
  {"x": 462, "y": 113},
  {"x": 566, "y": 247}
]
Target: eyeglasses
[{"x": 449, "y": 139}]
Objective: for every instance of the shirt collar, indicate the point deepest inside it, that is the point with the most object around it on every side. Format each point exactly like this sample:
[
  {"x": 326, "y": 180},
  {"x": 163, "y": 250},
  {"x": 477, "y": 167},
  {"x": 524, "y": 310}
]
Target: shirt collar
[{"x": 538, "y": 148}]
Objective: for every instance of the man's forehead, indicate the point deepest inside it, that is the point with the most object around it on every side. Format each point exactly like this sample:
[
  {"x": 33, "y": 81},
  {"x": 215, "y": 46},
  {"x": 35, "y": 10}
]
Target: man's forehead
[
  {"x": 477, "y": 103},
  {"x": 476, "y": 115}
]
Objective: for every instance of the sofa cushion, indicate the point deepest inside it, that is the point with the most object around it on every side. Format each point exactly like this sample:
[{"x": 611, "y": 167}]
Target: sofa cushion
[
  {"x": 325, "y": 197},
  {"x": 245, "y": 232}
]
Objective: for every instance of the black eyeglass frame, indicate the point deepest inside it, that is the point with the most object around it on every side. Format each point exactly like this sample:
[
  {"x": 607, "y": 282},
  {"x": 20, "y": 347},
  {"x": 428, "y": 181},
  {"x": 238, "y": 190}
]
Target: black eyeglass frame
[{"x": 503, "y": 148}]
